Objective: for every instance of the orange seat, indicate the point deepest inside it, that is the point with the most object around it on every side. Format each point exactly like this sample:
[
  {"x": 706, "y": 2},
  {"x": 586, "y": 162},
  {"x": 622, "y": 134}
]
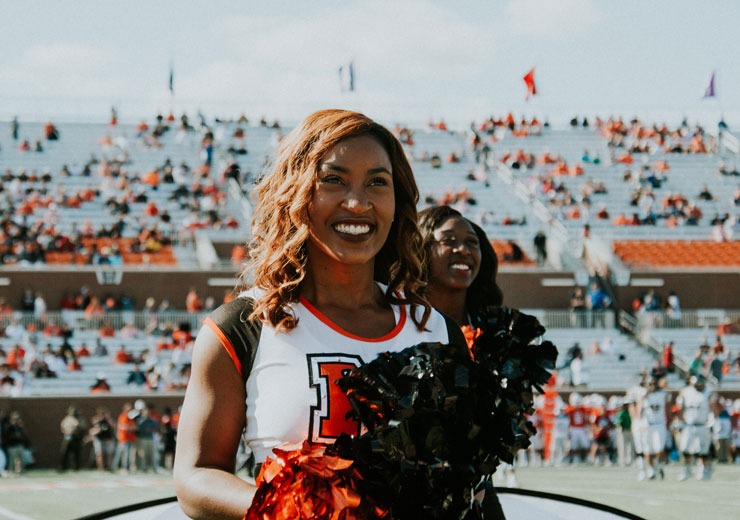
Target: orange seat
[{"x": 678, "y": 253}]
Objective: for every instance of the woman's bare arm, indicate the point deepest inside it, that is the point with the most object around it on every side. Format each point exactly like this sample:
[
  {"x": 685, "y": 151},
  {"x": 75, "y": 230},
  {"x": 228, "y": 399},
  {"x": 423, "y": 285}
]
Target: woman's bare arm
[{"x": 211, "y": 424}]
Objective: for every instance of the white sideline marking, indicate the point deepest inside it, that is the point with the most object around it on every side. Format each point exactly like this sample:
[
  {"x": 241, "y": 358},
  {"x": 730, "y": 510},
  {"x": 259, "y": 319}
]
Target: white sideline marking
[{"x": 13, "y": 516}]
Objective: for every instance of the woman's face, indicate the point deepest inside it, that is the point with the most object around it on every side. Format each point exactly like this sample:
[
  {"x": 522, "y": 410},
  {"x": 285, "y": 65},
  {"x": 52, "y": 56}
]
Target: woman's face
[
  {"x": 455, "y": 255},
  {"x": 353, "y": 204}
]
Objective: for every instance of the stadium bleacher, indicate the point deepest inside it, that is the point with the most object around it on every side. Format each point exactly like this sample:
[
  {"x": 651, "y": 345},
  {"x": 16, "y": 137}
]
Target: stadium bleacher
[
  {"x": 507, "y": 201},
  {"x": 493, "y": 191}
]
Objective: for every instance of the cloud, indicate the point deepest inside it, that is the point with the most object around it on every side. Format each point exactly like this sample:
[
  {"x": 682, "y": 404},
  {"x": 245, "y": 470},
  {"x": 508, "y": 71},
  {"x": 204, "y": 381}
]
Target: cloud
[
  {"x": 552, "y": 19},
  {"x": 63, "y": 70},
  {"x": 402, "y": 51},
  {"x": 66, "y": 56}
]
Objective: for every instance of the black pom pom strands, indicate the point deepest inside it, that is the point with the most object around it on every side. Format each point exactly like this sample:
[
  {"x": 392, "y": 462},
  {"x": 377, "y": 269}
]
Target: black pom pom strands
[{"x": 439, "y": 419}]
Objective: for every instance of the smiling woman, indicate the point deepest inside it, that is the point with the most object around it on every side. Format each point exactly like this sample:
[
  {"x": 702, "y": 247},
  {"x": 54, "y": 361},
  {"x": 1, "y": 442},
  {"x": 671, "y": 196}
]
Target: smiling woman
[
  {"x": 461, "y": 265},
  {"x": 336, "y": 264},
  {"x": 352, "y": 208}
]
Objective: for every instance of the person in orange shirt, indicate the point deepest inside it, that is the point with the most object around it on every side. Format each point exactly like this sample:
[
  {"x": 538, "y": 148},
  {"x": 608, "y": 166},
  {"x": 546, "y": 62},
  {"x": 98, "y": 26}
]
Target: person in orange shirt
[
  {"x": 228, "y": 296},
  {"x": 106, "y": 330},
  {"x": 151, "y": 178},
  {"x": 125, "y": 454},
  {"x": 100, "y": 386},
  {"x": 14, "y": 357},
  {"x": 123, "y": 356},
  {"x": 620, "y": 220},
  {"x": 697, "y": 145},
  {"x": 83, "y": 351},
  {"x": 193, "y": 302},
  {"x": 74, "y": 365},
  {"x": 94, "y": 308},
  {"x": 181, "y": 336},
  {"x": 238, "y": 254},
  {"x": 5, "y": 307},
  {"x": 151, "y": 209}
]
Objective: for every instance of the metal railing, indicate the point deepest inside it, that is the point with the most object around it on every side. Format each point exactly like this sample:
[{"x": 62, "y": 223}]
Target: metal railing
[
  {"x": 729, "y": 142},
  {"x": 561, "y": 319},
  {"x": 81, "y": 321},
  {"x": 691, "y": 319}
]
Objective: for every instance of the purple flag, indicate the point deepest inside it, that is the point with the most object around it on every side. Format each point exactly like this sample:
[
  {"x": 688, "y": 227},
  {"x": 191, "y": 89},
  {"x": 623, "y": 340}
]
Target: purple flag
[{"x": 710, "y": 92}]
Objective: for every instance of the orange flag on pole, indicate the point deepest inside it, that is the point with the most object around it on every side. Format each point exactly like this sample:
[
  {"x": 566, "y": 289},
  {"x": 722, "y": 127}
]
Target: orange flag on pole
[{"x": 529, "y": 81}]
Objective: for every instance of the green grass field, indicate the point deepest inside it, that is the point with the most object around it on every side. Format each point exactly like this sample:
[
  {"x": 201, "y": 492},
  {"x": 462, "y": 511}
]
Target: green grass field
[{"x": 47, "y": 494}]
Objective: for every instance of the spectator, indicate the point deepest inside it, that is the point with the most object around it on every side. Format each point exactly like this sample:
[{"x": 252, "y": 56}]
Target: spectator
[
  {"x": 5, "y": 307},
  {"x": 673, "y": 306},
  {"x": 106, "y": 330},
  {"x": 123, "y": 356},
  {"x": 540, "y": 246},
  {"x": 73, "y": 431},
  {"x": 193, "y": 302},
  {"x": 39, "y": 305},
  {"x": 136, "y": 377},
  {"x": 102, "y": 436},
  {"x": 238, "y": 254},
  {"x": 146, "y": 431},
  {"x": 51, "y": 132},
  {"x": 736, "y": 365},
  {"x": 17, "y": 444},
  {"x": 124, "y": 458},
  {"x": 718, "y": 348},
  {"x": 100, "y": 349},
  {"x": 83, "y": 351},
  {"x": 514, "y": 254},
  {"x": 27, "y": 300},
  {"x": 597, "y": 301},
  {"x": 668, "y": 364},
  {"x": 100, "y": 386},
  {"x": 716, "y": 368},
  {"x": 578, "y": 371},
  {"x": 168, "y": 424},
  {"x": 696, "y": 366},
  {"x": 14, "y": 128},
  {"x": 572, "y": 353}
]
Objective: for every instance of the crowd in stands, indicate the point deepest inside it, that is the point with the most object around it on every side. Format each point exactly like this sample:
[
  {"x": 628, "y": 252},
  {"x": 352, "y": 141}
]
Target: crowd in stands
[
  {"x": 33, "y": 229},
  {"x": 157, "y": 350},
  {"x": 577, "y": 203},
  {"x": 548, "y": 176},
  {"x": 31, "y": 202},
  {"x": 636, "y": 136}
]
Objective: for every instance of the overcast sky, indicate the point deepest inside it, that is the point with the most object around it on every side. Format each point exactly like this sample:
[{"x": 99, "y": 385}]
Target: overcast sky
[{"x": 414, "y": 60}]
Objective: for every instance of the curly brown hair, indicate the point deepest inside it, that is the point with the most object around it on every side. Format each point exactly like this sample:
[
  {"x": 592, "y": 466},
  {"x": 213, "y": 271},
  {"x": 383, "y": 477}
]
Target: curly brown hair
[{"x": 280, "y": 222}]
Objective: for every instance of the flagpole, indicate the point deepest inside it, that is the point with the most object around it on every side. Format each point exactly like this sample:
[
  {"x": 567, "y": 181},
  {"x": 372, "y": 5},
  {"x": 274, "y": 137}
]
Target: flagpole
[
  {"x": 719, "y": 102},
  {"x": 171, "y": 85}
]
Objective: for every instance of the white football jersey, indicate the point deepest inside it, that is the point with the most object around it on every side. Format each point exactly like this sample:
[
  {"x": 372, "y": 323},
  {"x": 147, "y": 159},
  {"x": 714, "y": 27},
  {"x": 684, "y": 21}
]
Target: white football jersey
[
  {"x": 654, "y": 407},
  {"x": 695, "y": 406}
]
